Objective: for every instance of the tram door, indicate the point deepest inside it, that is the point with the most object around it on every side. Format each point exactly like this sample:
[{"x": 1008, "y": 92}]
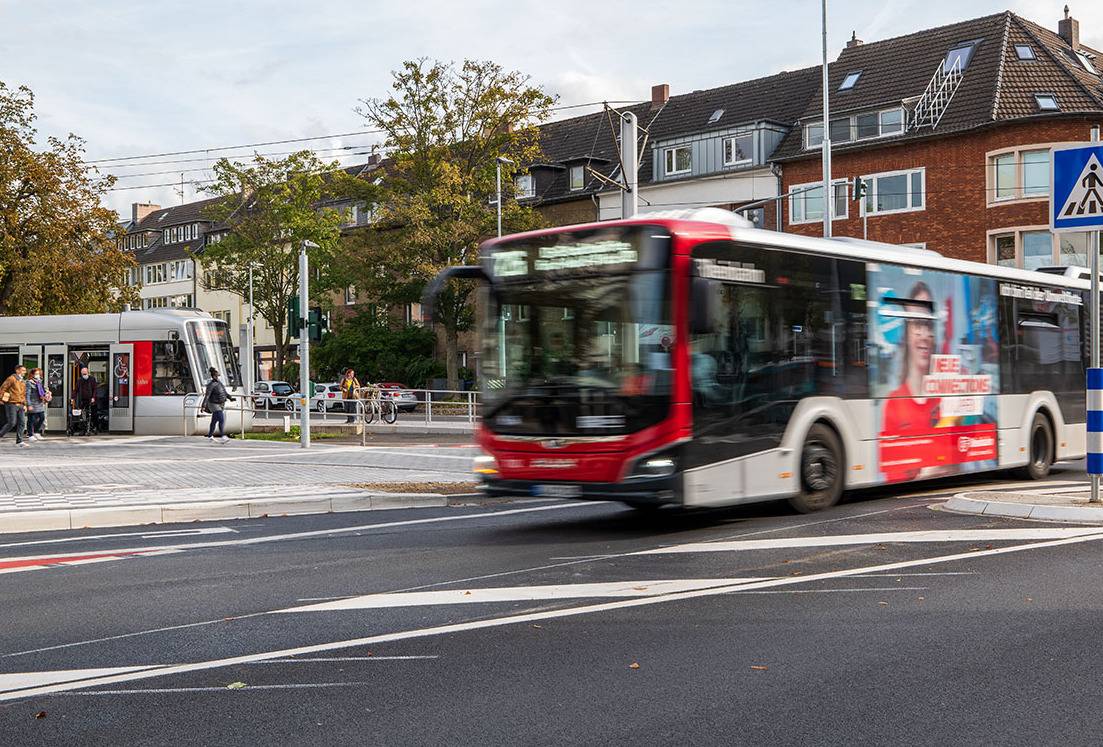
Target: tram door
[
  {"x": 121, "y": 388},
  {"x": 97, "y": 360},
  {"x": 54, "y": 371},
  {"x": 31, "y": 357}
]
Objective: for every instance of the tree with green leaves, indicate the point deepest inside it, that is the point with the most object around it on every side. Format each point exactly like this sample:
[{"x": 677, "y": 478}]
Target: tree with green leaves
[
  {"x": 445, "y": 127},
  {"x": 271, "y": 206},
  {"x": 58, "y": 247}
]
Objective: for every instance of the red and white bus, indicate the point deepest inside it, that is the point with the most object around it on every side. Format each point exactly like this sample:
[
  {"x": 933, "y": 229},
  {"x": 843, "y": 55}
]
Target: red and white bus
[
  {"x": 145, "y": 363},
  {"x": 691, "y": 359}
]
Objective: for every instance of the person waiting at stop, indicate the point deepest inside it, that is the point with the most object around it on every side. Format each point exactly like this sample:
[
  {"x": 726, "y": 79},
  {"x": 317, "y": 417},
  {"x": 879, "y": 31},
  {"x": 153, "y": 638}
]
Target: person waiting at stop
[{"x": 84, "y": 397}]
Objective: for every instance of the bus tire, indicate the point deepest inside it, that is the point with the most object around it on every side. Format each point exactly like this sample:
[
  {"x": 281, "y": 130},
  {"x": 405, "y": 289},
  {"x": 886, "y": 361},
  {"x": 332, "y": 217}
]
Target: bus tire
[
  {"x": 822, "y": 471},
  {"x": 1040, "y": 443}
]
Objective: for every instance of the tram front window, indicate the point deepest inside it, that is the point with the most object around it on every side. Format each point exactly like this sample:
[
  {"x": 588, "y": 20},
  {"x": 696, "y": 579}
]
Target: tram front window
[{"x": 214, "y": 349}]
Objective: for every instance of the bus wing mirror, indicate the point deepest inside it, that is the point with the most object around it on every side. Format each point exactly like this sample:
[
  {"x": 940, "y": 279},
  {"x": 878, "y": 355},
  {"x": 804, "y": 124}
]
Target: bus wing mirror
[
  {"x": 436, "y": 285},
  {"x": 702, "y": 320}
]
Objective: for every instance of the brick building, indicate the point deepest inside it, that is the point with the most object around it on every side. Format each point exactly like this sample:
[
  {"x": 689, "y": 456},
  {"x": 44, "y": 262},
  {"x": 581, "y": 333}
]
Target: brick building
[{"x": 965, "y": 174}]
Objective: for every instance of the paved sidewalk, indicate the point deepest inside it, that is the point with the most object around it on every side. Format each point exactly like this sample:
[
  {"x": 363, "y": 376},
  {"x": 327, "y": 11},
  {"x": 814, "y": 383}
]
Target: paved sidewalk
[
  {"x": 117, "y": 481},
  {"x": 1056, "y": 501}
]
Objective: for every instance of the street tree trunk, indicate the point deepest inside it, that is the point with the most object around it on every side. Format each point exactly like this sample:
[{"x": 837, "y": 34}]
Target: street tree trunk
[{"x": 451, "y": 356}]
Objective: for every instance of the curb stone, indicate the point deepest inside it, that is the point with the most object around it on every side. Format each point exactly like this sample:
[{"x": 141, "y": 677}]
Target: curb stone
[
  {"x": 963, "y": 504},
  {"x": 169, "y": 513}
]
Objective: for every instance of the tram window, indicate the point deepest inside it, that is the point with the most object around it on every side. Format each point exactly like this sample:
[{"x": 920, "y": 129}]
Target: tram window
[{"x": 171, "y": 370}]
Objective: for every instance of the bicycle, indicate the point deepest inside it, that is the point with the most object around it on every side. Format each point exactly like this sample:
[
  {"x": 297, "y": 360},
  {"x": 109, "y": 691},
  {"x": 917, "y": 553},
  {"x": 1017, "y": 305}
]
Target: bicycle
[{"x": 376, "y": 406}]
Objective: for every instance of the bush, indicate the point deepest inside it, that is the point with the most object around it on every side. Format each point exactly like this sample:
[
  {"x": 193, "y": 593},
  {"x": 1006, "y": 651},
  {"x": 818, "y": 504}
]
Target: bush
[{"x": 379, "y": 351}]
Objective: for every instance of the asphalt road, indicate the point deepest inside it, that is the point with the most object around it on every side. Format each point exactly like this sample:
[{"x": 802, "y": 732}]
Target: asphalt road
[{"x": 545, "y": 622}]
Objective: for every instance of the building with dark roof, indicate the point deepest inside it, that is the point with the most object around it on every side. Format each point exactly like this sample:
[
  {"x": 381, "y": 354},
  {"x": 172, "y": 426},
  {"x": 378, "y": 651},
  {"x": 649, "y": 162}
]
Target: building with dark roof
[{"x": 950, "y": 129}]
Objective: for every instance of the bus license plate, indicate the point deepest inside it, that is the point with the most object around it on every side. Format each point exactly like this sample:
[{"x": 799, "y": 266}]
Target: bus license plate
[{"x": 557, "y": 491}]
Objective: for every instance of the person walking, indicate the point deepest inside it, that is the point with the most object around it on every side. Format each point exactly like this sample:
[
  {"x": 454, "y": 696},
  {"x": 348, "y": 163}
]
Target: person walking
[
  {"x": 13, "y": 394},
  {"x": 214, "y": 401},
  {"x": 350, "y": 392},
  {"x": 84, "y": 399},
  {"x": 37, "y": 397}
]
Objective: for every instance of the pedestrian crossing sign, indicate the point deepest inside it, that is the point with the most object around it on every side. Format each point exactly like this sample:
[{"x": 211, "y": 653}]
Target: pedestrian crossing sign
[{"x": 1077, "y": 202}]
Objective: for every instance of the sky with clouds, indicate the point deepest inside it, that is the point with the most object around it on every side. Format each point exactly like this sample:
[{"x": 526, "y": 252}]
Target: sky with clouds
[{"x": 140, "y": 78}]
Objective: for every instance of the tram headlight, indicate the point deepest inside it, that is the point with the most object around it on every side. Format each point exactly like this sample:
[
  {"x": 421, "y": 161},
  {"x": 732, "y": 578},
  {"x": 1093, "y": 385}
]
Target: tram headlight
[{"x": 485, "y": 464}]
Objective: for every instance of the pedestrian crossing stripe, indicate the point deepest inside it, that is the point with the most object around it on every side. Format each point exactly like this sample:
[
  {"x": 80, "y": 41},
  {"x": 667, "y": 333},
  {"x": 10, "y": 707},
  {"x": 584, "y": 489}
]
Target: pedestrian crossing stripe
[{"x": 1086, "y": 198}]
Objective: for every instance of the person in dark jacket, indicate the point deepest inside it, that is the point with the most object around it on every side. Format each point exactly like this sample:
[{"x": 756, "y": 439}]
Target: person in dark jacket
[
  {"x": 37, "y": 398},
  {"x": 84, "y": 398},
  {"x": 214, "y": 401}
]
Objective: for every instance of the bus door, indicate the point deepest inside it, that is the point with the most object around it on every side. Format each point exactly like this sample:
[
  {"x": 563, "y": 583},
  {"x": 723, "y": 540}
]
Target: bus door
[
  {"x": 121, "y": 388},
  {"x": 57, "y": 383}
]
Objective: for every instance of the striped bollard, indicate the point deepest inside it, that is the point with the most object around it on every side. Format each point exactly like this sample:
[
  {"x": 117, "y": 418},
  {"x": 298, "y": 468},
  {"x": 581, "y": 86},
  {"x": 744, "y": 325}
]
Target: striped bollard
[{"x": 1095, "y": 429}]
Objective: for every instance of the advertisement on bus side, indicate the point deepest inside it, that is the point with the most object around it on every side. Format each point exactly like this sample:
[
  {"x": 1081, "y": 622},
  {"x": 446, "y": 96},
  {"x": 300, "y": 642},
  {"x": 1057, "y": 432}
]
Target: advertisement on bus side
[{"x": 934, "y": 371}]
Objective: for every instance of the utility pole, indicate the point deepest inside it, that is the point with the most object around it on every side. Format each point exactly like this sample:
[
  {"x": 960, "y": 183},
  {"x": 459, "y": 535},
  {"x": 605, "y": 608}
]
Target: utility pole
[
  {"x": 304, "y": 344},
  {"x": 250, "y": 367},
  {"x": 629, "y": 165},
  {"x": 827, "y": 196}
]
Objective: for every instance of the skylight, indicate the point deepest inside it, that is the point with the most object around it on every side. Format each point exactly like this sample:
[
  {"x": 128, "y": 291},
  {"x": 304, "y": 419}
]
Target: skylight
[
  {"x": 1086, "y": 62},
  {"x": 960, "y": 55},
  {"x": 850, "y": 80},
  {"x": 1047, "y": 102},
  {"x": 716, "y": 116},
  {"x": 1025, "y": 52}
]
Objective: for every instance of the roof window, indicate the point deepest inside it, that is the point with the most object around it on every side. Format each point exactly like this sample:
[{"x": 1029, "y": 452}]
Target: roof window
[
  {"x": 1086, "y": 62},
  {"x": 1025, "y": 52},
  {"x": 850, "y": 80},
  {"x": 959, "y": 57},
  {"x": 1047, "y": 102},
  {"x": 716, "y": 116}
]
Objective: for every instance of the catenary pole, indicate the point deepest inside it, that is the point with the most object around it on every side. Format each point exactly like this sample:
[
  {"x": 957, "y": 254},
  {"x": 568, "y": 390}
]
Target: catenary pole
[
  {"x": 629, "y": 164},
  {"x": 304, "y": 345},
  {"x": 827, "y": 196}
]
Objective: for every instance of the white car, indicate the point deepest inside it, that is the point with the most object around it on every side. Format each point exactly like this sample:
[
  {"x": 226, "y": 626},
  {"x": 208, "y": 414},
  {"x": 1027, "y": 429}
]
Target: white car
[
  {"x": 270, "y": 395},
  {"x": 327, "y": 397}
]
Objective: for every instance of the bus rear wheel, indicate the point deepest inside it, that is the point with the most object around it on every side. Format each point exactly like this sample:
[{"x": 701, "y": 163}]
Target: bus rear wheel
[
  {"x": 822, "y": 471},
  {"x": 1040, "y": 444}
]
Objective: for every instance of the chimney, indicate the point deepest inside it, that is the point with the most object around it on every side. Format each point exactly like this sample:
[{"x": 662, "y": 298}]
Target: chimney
[
  {"x": 660, "y": 94},
  {"x": 139, "y": 210},
  {"x": 1068, "y": 28},
  {"x": 854, "y": 40}
]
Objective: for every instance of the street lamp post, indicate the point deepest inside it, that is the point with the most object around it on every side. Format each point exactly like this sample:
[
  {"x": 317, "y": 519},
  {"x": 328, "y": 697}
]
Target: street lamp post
[
  {"x": 498, "y": 202},
  {"x": 304, "y": 344},
  {"x": 827, "y": 196}
]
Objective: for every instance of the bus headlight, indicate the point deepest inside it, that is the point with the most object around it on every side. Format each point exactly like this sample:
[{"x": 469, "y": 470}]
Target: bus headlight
[
  {"x": 656, "y": 465},
  {"x": 484, "y": 464}
]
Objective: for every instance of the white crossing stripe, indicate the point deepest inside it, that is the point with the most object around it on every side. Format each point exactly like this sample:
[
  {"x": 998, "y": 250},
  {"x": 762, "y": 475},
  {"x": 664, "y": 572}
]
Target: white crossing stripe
[
  {"x": 616, "y": 589},
  {"x": 948, "y": 535},
  {"x": 24, "y": 680}
]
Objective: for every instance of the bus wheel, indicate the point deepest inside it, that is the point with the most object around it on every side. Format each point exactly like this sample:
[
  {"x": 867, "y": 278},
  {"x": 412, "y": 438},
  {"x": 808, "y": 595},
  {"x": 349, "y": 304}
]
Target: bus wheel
[
  {"x": 822, "y": 468},
  {"x": 1041, "y": 449}
]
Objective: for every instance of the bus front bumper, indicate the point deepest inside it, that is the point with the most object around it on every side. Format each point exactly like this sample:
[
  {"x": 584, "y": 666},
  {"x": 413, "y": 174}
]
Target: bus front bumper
[{"x": 641, "y": 491}]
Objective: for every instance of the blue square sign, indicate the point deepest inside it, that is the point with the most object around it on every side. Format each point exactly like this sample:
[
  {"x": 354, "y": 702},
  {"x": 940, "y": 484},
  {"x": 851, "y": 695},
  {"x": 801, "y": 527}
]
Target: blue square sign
[{"x": 1077, "y": 202}]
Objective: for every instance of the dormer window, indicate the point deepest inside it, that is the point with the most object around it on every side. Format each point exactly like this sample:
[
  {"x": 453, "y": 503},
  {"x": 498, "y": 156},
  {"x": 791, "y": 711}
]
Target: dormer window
[
  {"x": 1025, "y": 52},
  {"x": 959, "y": 57},
  {"x": 739, "y": 150},
  {"x": 850, "y": 80},
  {"x": 526, "y": 186},
  {"x": 578, "y": 177},
  {"x": 679, "y": 160},
  {"x": 1047, "y": 102}
]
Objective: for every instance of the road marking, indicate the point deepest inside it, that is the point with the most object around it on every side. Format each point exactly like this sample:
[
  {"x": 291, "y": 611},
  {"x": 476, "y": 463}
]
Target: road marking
[
  {"x": 26, "y": 680},
  {"x": 937, "y": 535},
  {"x": 45, "y": 561},
  {"x": 143, "y": 535},
  {"x": 345, "y": 658},
  {"x": 881, "y": 589},
  {"x": 529, "y": 617},
  {"x": 223, "y": 689},
  {"x": 518, "y": 594},
  {"x": 312, "y": 533}
]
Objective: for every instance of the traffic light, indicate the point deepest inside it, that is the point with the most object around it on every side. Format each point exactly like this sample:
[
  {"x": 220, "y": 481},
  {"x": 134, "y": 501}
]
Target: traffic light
[
  {"x": 860, "y": 188},
  {"x": 318, "y": 324},
  {"x": 294, "y": 317}
]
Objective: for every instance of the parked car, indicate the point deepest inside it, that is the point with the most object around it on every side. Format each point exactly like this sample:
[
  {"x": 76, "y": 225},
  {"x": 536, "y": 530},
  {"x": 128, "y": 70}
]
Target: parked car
[
  {"x": 402, "y": 396},
  {"x": 270, "y": 395},
  {"x": 327, "y": 397}
]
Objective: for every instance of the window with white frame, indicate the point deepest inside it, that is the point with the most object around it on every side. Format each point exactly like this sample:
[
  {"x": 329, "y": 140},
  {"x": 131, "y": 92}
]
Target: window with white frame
[
  {"x": 350, "y": 295},
  {"x": 578, "y": 177},
  {"x": 223, "y": 315},
  {"x": 863, "y": 126},
  {"x": 526, "y": 186},
  {"x": 181, "y": 269},
  {"x": 412, "y": 313},
  {"x": 1019, "y": 174},
  {"x": 895, "y": 192},
  {"x": 156, "y": 273},
  {"x": 214, "y": 238},
  {"x": 1036, "y": 246},
  {"x": 806, "y": 202},
  {"x": 678, "y": 160},
  {"x": 739, "y": 150}
]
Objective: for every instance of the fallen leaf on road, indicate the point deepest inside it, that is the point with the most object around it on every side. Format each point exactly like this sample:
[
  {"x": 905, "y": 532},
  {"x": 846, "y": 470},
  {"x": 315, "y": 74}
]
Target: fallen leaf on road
[
  {"x": 639, "y": 588},
  {"x": 883, "y": 604},
  {"x": 538, "y": 627},
  {"x": 759, "y": 667},
  {"x": 235, "y": 685},
  {"x": 634, "y": 665},
  {"x": 922, "y": 598},
  {"x": 1030, "y": 599},
  {"x": 40, "y": 715},
  {"x": 467, "y": 593}
]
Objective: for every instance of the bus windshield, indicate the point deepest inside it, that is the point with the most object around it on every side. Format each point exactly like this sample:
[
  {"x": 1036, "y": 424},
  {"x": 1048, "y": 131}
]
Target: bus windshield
[
  {"x": 214, "y": 349},
  {"x": 579, "y": 337}
]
